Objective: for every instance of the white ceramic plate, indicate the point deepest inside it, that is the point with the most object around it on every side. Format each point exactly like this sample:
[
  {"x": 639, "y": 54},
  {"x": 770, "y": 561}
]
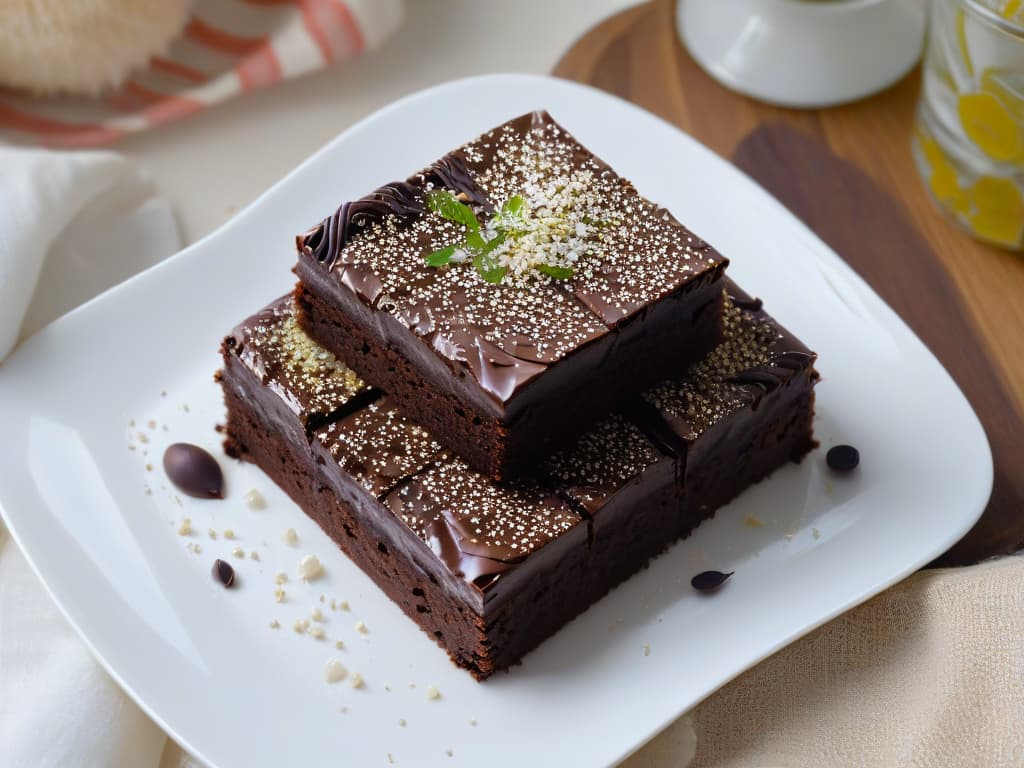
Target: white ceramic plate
[{"x": 204, "y": 662}]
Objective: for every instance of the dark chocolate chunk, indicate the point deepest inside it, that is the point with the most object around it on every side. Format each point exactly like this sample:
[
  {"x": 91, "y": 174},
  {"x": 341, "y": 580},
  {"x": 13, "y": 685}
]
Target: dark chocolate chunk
[
  {"x": 842, "y": 458},
  {"x": 224, "y": 573},
  {"x": 194, "y": 471},
  {"x": 708, "y": 581}
]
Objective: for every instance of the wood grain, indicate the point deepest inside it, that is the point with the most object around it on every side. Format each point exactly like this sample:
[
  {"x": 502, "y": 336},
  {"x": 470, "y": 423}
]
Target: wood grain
[{"x": 848, "y": 172}]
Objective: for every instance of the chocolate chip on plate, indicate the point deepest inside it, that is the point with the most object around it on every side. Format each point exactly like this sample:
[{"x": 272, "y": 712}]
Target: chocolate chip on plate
[
  {"x": 194, "y": 471},
  {"x": 224, "y": 573},
  {"x": 708, "y": 581},
  {"x": 842, "y": 458}
]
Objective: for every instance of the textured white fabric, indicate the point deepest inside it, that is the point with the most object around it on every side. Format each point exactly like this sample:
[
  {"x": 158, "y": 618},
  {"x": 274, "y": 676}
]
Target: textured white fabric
[
  {"x": 928, "y": 674},
  {"x": 58, "y": 708},
  {"x": 71, "y": 225}
]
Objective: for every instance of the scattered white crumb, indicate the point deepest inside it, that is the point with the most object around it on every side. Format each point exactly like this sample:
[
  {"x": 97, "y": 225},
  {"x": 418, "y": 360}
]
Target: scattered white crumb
[
  {"x": 433, "y": 693},
  {"x": 141, "y": 437},
  {"x": 401, "y": 722},
  {"x": 391, "y": 760},
  {"x": 316, "y": 633},
  {"x": 228, "y": 533},
  {"x": 300, "y": 625},
  {"x": 356, "y": 680},
  {"x": 254, "y": 500},
  {"x": 213, "y": 533},
  {"x": 185, "y": 529},
  {"x": 279, "y": 595},
  {"x": 281, "y": 578},
  {"x": 339, "y": 644},
  {"x": 450, "y": 752},
  {"x": 238, "y": 552},
  {"x": 335, "y": 672},
  {"x": 334, "y": 604},
  {"x": 472, "y": 721},
  {"x": 196, "y": 548},
  {"x": 310, "y": 568},
  {"x": 151, "y": 424},
  {"x": 290, "y": 536},
  {"x": 254, "y": 555},
  {"x": 647, "y": 649},
  {"x": 317, "y": 615},
  {"x": 361, "y": 628},
  {"x": 343, "y": 605},
  {"x": 275, "y": 624}
]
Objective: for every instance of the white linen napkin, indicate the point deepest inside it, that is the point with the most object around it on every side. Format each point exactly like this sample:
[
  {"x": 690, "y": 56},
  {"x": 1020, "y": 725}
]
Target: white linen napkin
[{"x": 71, "y": 225}]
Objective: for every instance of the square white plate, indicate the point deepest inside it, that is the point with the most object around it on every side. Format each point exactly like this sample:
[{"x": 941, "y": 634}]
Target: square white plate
[{"x": 204, "y": 662}]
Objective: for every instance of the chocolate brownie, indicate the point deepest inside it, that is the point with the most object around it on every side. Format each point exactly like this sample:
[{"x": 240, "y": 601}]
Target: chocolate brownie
[
  {"x": 490, "y": 570},
  {"x": 510, "y": 294}
]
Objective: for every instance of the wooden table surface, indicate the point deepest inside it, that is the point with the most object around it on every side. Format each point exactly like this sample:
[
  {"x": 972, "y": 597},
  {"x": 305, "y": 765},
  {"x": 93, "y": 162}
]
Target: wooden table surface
[{"x": 848, "y": 172}]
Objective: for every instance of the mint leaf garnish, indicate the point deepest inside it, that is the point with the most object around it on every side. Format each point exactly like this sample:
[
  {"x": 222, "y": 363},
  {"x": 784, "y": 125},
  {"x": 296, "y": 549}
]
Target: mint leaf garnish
[
  {"x": 444, "y": 203},
  {"x": 475, "y": 242},
  {"x": 513, "y": 205},
  {"x": 441, "y": 257},
  {"x": 559, "y": 273},
  {"x": 488, "y": 270}
]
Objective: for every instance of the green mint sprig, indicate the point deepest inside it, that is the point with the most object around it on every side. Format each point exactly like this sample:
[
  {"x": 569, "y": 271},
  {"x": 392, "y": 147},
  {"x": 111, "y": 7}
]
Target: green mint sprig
[{"x": 508, "y": 221}]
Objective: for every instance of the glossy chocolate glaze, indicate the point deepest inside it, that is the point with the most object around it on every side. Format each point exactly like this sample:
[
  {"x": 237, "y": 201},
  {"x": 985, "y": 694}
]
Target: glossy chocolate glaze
[
  {"x": 506, "y": 335},
  {"x": 315, "y": 385},
  {"x": 757, "y": 357}
]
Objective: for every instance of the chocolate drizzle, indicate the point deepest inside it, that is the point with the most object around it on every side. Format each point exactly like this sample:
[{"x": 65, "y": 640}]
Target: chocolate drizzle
[
  {"x": 451, "y": 172},
  {"x": 325, "y": 241}
]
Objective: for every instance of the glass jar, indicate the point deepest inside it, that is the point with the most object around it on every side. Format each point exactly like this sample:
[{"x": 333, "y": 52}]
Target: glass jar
[{"x": 968, "y": 141}]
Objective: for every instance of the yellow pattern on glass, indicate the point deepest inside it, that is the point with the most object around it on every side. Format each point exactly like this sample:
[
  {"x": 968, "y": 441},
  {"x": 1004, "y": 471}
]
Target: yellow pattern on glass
[
  {"x": 999, "y": 211},
  {"x": 989, "y": 124},
  {"x": 1008, "y": 86},
  {"x": 1012, "y": 9},
  {"x": 961, "y": 38},
  {"x": 943, "y": 181}
]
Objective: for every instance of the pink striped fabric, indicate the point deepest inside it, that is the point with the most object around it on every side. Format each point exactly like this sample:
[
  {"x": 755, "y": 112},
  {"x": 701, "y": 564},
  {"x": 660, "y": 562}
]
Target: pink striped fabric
[{"x": 228, "y": 47}]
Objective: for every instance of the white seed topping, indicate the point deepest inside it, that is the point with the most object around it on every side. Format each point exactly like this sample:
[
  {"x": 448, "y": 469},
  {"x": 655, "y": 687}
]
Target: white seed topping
[
  {"x": 254, "y": 499},
  {"x": 290, "y": 537},
  {"x": 433, "y": 693}
]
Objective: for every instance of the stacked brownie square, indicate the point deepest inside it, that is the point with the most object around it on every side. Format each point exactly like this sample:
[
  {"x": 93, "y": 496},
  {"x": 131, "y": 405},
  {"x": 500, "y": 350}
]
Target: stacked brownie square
[{"x": 504, "y": 384}]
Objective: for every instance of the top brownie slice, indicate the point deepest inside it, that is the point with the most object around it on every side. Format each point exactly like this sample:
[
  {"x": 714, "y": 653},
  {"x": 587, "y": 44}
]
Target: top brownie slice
[{"x": 508, "y": 295}]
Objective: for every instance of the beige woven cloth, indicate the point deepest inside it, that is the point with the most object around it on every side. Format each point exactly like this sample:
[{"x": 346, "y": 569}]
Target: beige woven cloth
[{"x": 929, "y": 673}]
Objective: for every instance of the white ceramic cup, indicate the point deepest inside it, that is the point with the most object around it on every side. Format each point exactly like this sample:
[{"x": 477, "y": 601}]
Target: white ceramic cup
[{"x": 804, "y": 53}]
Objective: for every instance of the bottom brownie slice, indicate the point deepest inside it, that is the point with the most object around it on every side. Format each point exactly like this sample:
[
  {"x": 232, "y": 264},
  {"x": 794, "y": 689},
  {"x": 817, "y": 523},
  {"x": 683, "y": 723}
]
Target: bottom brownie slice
[{"x": 491, "y": 570}]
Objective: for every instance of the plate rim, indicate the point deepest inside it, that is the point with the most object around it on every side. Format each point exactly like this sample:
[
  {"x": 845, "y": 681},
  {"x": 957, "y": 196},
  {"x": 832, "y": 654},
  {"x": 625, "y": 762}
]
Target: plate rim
[{"x": 845, "y": 270}]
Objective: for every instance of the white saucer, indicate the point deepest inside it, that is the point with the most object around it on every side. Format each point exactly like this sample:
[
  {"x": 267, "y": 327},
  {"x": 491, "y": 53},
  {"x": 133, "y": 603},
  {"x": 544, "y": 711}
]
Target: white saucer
[{"x": 799, "y": 53}]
